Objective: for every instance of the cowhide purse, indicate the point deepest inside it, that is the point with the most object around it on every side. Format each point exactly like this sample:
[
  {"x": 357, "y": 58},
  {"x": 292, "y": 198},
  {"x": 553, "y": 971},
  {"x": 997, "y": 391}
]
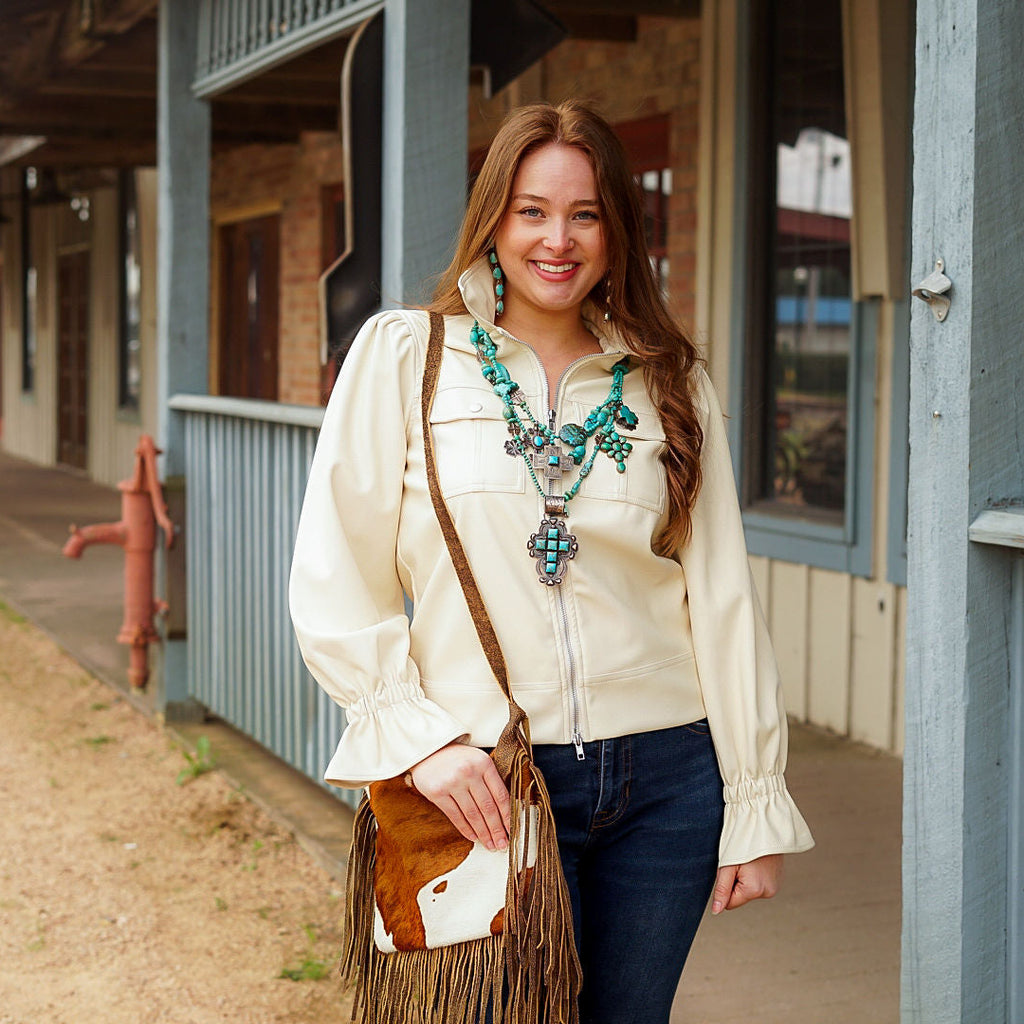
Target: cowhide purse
[{"x": 440, "y": 929}]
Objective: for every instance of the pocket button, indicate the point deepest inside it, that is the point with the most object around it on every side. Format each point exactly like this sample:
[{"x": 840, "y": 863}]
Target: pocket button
[{"x": 476, "y": 407}]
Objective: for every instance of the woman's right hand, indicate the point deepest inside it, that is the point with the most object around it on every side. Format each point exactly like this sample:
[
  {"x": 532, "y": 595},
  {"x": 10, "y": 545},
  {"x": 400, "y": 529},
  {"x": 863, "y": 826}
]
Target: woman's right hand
[{"x": 462, "y": 781}]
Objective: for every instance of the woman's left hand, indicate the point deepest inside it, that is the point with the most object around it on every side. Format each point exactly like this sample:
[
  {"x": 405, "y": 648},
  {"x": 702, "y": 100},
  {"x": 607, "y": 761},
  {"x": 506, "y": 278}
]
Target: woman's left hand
[{"x": 737, "y": 884}]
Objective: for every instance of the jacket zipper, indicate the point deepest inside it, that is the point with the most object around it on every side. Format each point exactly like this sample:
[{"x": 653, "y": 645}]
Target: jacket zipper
[{"x": 574, "y": 695}]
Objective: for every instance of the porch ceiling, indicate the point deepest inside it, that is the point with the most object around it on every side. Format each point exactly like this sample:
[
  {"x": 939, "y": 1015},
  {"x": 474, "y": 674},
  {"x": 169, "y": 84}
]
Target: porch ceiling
[{"x": 87, "y": 83}]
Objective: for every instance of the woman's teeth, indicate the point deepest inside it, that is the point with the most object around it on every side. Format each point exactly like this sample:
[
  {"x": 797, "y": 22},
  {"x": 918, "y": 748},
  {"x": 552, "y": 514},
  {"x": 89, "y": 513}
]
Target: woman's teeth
[{"x": 553, "y": 268}]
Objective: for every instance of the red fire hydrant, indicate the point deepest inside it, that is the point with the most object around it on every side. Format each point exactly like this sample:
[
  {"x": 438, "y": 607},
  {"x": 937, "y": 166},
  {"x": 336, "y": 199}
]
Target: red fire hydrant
[{"x": 142, "y": 507}]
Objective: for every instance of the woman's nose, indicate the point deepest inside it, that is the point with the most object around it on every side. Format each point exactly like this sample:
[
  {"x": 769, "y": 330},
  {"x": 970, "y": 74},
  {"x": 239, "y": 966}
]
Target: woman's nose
[{"x": 559, "y": 237}]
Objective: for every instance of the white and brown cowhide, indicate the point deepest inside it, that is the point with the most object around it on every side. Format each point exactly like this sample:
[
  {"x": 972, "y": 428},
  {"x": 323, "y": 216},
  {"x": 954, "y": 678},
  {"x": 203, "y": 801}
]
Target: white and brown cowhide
[{"x": 433, "y": 888}]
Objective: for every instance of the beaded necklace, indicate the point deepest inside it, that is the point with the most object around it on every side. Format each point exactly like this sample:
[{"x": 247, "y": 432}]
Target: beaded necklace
[{"x": 541, "y": 449}]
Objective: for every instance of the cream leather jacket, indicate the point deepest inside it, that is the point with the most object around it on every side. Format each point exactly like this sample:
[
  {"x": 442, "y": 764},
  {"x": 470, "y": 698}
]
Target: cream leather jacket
[{"x": 629, "y": 641}]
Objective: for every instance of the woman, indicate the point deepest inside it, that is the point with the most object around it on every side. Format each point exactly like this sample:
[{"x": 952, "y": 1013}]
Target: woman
[{"x": 637, "y": 647}]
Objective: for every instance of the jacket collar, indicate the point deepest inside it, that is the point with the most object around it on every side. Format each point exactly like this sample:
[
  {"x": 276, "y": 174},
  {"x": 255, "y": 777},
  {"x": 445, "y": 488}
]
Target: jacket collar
[{"x": 477, "y": 287}]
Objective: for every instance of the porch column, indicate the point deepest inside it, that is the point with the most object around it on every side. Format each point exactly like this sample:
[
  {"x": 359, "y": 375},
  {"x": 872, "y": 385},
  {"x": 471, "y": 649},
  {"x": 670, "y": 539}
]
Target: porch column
[
  {"x": 966, "y": 455},
  {"x": 183, "y": 166},
  {"x": 426, "y": 86}
]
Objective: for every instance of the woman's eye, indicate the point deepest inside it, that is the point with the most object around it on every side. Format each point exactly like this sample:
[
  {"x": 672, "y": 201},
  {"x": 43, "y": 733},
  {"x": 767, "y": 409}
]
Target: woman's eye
[
  {"x": 530, "y": 211},
  {"x": 588, "y": 215}
]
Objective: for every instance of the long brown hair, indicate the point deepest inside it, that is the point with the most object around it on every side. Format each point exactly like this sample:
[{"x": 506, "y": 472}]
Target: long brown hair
[{"x": 665, "y": 351}]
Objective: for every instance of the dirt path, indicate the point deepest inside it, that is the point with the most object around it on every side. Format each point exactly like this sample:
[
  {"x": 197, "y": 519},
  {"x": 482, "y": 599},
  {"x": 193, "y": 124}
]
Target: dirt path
[{"x": 126, "y": 898}]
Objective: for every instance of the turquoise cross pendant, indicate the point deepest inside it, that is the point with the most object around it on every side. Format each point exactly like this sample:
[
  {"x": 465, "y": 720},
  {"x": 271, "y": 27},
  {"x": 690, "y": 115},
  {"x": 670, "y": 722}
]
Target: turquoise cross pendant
[{"x": 552, "y": 545}]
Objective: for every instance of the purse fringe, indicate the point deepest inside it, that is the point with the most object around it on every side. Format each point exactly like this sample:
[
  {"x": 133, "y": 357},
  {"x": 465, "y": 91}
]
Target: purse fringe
[{"x": 528, "y": 974}]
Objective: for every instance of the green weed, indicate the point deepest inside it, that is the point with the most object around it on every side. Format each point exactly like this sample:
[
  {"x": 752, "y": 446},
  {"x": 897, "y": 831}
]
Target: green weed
[
  {"x": 198, "y": 764},
  {"x": 311, "y": 968},
  {"x": 11, "y": 615},
  {"x": 308, "y": 970},
  {"x": 257, "y": 845}
]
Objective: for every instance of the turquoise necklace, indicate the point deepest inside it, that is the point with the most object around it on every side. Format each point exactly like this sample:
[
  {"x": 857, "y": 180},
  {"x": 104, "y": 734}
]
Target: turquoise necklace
[{"x": 541, "y": 449}]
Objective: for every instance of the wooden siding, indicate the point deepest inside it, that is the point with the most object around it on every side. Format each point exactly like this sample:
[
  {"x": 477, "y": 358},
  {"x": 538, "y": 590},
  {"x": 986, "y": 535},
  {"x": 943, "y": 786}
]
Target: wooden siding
[{"x": 839, "y": 642}]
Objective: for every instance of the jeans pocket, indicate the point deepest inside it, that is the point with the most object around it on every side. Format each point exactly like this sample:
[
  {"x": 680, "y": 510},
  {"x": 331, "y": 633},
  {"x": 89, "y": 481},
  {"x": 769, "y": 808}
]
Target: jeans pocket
[{"x": 700, "y": 727}]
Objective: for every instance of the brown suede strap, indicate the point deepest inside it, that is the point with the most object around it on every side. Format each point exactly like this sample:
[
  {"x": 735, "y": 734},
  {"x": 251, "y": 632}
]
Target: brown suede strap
[{"x": 518, "y": 728}]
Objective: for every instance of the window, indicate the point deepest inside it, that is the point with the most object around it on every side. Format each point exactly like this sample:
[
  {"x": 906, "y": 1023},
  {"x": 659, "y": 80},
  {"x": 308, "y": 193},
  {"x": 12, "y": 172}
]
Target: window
[
  {"x": 29, "y": 281},
  {"x": 808, "y": 349},
  {"x": 657, "y": 187},
  {"x": 129, "y": 367},
  {"x": 647, "y": 144}
]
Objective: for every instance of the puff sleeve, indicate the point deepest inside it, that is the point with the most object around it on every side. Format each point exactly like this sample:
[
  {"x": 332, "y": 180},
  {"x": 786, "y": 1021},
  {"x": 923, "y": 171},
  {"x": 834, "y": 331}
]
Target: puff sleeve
[
  {"x": 736, "y": 665},
  {"x": 345, "y": 595}
]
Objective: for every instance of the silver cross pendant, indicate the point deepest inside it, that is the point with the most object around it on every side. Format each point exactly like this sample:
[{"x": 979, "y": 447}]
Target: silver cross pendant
[
  {"x": 552, "y": 545},
  {"x": 550, "y": 461}
]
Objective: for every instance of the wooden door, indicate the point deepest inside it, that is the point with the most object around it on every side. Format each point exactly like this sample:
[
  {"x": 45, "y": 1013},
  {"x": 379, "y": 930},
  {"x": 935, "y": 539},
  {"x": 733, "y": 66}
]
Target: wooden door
[
  {"x": 249, "y": 284},
  {"x": 73, "y": 359}
]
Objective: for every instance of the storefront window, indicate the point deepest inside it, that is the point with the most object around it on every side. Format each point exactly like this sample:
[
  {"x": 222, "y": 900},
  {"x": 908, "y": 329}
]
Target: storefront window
[{"x": 806, "y": 291}]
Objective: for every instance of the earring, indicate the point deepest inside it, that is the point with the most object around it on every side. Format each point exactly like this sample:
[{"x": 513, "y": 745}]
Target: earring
[
  {"x": 499, "y": 284},
  {"x": 607, "y": 299}
]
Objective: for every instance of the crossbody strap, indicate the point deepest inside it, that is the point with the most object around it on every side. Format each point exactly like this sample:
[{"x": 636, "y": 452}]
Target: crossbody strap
[{"x": 518, "y": 726}]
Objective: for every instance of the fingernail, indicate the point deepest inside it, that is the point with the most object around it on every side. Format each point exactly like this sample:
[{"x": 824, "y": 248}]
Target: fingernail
[
  {"x": 503, "y": 844},
  {"x": 716, "y": 907}
]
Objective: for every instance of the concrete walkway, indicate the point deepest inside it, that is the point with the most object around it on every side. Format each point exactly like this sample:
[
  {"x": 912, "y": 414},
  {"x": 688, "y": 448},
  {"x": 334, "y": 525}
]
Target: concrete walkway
[{"x": 826, "y": 951}]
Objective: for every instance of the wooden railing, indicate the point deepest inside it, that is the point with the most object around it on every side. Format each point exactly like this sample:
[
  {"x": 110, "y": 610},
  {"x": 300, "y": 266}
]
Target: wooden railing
[{"x": 240, "y": 38}]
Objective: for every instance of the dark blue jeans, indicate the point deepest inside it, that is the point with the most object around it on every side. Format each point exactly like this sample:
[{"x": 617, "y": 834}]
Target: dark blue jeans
[{"x": 638, "y": 827}]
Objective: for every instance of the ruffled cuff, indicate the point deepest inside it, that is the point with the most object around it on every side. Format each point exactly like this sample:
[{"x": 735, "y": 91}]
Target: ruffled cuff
[
  {"x": 387, "y": 733},
  {"x": 761, "y": 818}
]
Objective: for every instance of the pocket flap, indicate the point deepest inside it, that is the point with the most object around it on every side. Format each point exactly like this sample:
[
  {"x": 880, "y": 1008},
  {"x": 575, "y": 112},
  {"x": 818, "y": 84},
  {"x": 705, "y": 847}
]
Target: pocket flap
[{"x": 462, "y": 402}]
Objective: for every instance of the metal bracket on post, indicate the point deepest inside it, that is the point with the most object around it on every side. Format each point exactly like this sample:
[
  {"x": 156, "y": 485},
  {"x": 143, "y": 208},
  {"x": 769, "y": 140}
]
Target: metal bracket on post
[{"x": 933, "y": 290}]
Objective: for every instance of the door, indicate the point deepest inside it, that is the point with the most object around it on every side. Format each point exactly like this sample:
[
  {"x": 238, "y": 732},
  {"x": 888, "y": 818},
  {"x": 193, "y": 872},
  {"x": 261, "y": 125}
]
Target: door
[
  {"x": 73, "y": 359},
  {"x": 249, "y": 283}
]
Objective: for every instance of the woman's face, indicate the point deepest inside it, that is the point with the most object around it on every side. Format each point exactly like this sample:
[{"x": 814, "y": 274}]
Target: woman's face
[{"x": 550, "y": 241}]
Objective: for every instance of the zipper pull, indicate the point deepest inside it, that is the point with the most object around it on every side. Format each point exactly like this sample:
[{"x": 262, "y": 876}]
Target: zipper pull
[
  {"x": 551, "y": 420},
  {"x": 577, "y": 742}
]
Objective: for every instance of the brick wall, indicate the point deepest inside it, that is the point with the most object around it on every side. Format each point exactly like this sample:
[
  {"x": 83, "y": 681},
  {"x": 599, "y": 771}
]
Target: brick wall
[
  {"x": 657, "y": 74},
  {"x": 251, "y": 177}
]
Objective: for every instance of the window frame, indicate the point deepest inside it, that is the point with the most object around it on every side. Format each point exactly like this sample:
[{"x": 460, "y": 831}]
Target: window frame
[
  {"x": 899, "y": 446},
  {"x": 790, "y": 536}
]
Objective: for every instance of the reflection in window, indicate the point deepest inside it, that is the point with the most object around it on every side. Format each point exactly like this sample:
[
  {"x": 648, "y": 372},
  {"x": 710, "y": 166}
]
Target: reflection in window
[
  {"x": 129, "y": 366},
  {"x": 657, "y": 187},
  {"x": 809, "y": 287}
]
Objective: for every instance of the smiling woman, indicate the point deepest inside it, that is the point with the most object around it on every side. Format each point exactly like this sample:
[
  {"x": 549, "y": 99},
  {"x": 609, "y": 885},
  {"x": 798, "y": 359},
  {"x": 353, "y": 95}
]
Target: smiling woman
[{"x": 636, "y": 648}]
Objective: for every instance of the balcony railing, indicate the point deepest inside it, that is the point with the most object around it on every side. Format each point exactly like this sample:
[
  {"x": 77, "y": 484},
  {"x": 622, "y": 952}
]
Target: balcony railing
[
  {"x": 238, "y": 39},
  {"x": 246, "y": 464}
]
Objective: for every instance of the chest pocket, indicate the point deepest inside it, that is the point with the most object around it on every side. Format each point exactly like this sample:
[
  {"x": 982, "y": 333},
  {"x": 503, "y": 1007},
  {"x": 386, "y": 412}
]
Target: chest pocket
[
  {"x": 643, "y": 482},
  {"x": 469, "y": 434}
]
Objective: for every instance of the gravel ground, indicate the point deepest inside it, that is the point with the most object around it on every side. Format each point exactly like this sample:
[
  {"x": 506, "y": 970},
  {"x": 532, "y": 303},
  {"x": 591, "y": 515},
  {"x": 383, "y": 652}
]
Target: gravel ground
[{"x": 128, "y": 898}]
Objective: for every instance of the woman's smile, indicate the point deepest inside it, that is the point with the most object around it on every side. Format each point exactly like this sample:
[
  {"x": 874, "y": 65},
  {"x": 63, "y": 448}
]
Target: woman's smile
[{"x": 558, "y": 271}]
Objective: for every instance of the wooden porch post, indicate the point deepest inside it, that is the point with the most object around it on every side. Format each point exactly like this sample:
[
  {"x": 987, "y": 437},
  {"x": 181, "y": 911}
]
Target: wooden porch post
[
  {"x": 183, "y": 172},
  {"x": 967, "y": 454},
  {"x": 426, "y": 86}
]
